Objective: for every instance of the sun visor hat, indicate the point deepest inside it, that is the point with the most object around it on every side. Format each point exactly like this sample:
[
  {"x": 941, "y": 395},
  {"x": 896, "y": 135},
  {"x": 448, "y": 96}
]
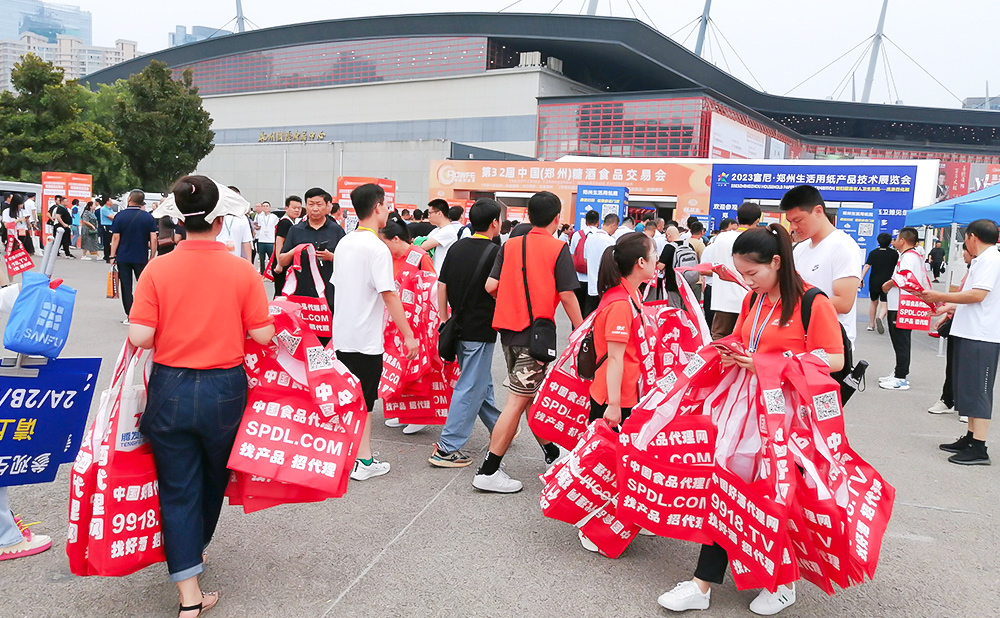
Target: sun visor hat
[{"x": 230, "y": 203}]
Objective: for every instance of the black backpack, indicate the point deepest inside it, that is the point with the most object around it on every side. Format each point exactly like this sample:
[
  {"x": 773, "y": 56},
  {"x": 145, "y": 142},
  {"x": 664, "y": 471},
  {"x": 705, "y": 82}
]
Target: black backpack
[{"x": 847, "y": 378}]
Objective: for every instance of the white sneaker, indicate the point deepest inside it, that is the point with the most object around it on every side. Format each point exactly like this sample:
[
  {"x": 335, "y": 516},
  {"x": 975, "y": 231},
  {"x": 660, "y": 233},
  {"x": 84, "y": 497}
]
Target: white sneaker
[
  {"x": 644, "y": 532},
  {"x": 963, "y": 419},
  {"x": 940, "y": 408},
  {"x": 412, "y": 429},
  {"x": 498, "y": 482},
  {"x": 361, "y": 472},
  {"x": 393, "y": 422},
  {"x": 685, "y": 595},
  {"x": 769, "y": 604},
  {"x": 587, "y": 543},
  {"x": 125, "y": 321},
  {"x": 895, "y": 384},
  {"x": 891, "y": 376}
]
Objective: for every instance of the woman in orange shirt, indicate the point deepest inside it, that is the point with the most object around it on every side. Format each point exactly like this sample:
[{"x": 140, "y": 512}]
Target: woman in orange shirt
[
  {"x": 772, "y": 323},
  {"x": 624, "y": 265},
  {"x": 195, "y": 306},
  {"x": 405, "y": 256}
]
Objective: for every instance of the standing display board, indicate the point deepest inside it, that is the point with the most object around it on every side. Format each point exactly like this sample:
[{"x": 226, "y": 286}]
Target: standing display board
[
  {"x": 346, "y": 184},
  {"x": 67, "y": 184},
  {"x": 605, "y": 200}
]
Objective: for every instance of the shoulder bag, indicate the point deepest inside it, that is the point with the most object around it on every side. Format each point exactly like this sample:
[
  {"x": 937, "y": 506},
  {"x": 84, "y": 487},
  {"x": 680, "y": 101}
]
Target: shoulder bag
[{"x": 541, "y": 332}]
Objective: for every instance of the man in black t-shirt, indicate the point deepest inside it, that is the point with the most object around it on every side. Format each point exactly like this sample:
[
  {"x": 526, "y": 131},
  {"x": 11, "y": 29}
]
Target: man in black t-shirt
[
  {"x": 323, "y": 233},
  {"x": 936, "y": 259},
  {"x": 62, "y": 218},
  {"x": 462, "y": 286},
  {"x": 882, "y": 262},
  {"x": 419, "y": 227}
]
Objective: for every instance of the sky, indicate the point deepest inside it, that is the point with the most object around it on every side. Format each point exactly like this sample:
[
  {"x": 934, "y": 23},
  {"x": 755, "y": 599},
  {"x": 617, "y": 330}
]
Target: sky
[{"x": 782, "y": 42}]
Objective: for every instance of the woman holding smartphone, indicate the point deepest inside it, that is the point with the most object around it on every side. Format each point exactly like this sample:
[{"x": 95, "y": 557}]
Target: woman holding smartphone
[
  {"x": 769, "y": 322},
  {"x": 617, "y": 341}
]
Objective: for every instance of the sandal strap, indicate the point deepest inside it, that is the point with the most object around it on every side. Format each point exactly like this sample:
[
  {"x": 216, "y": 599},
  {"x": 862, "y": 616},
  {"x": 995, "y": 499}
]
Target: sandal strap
[{"x": 190, "y": 608}]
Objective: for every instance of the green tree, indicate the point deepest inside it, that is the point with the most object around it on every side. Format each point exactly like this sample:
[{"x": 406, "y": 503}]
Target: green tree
[
  {"x": 160, "y": 126},
  {"x": 43, "y": 128}
]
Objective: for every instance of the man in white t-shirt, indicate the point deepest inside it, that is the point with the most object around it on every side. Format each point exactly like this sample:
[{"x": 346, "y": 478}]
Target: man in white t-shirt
[
  {"x": 444, "y": 234},
  {"x": 727, "y": 297},
  {"x": 593, "y": 250},
  {"x": 627, "y": 226},
  {"x": 363, "y": 267},
  {"x": 826, "y": 258},
  {"x": 237, "y": 237},
  {"x": 265, "y": 224},
  {"x": 591, "y": 221},
  {"x": 911, "y": 261},
  {"x": 975, "y": 333}
]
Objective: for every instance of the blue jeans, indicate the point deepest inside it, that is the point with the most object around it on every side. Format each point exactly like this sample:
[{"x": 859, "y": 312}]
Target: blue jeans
[
  {"x": 473, "y": 395},
  {"x": 191, "y": 419},
  {"x": 10, "y": 534}
]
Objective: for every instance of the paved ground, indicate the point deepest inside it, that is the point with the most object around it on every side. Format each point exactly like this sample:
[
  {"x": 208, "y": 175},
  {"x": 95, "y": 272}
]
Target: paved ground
[{"x": 422, "y": 542}]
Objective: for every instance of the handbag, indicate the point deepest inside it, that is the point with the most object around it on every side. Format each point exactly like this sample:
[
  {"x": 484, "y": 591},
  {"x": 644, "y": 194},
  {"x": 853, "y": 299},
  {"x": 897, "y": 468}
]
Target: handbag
[
  {"x": 113, "y": 282},
  {"x": 451, "y": 331},
  {"x": 315, "y": 311},
  {"x": 541, "y": 332},
  {"x": 17, "y": 259},
  {"x": 114, "y": 510},
  {"x": 40, "y": 318}
]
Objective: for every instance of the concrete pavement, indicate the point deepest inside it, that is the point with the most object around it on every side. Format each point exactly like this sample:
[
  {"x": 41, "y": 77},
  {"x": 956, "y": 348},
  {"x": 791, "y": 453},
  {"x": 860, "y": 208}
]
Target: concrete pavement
[{"x": 422, "y": 542}]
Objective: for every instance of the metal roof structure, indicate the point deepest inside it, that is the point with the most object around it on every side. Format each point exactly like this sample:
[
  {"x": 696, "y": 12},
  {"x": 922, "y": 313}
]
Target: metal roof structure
[{"x": 615, "y": 55}]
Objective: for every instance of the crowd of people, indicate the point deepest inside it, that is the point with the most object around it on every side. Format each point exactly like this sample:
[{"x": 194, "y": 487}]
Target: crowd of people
[{"x": 496, "y": 279}]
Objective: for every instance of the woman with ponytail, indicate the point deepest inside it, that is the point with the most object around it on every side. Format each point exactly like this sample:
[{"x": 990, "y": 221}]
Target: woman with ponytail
[
  {"x": 770, "y": 321},
  {"x": 195, "y": 306},
  {"x": 405, "y": 255}
]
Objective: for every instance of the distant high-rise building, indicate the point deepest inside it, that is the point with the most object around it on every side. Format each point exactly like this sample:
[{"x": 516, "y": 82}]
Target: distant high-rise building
[
  {"x": 180, "y": 35},
  {"x": 980, "y": 103},
  {"x": 45, "y": 20},
  {"x": 70, "y": 53}
]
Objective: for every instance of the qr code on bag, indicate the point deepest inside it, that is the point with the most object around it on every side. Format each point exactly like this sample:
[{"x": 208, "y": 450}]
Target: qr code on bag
[
  {"x": 317, "y": 358},
  {"x": 866, "y": 228},
  {"x": 290, "y": 341},
  {"x": 774, "y": 401},
  {"x": 826, "y": 405},
  {"x": 694, "y": 365}
]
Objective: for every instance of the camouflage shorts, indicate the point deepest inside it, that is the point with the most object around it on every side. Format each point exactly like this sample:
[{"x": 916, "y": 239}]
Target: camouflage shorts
[{"x": 524, "y": 373}]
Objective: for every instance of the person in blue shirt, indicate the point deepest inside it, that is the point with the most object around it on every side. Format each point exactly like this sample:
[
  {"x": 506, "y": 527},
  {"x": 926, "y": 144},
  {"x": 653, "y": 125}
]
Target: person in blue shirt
[
  {"x": 106, "y": 212},
  {"x": 76, "y": 210},
  {"x": 133, "y": 244}
]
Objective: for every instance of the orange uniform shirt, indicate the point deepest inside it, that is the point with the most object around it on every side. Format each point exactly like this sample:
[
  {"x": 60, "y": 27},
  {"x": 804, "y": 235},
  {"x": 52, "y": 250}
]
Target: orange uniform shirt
[
  {"x": 399, "y": 264},
  {"x": 614, "y": 323},
  {"x": 201, "y": 300},
  {"x": 824, "y": 329}
]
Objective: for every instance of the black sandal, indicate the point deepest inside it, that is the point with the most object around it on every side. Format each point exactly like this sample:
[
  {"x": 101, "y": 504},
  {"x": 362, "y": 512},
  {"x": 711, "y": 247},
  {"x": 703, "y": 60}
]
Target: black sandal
[{"x": 200, "y": 606}]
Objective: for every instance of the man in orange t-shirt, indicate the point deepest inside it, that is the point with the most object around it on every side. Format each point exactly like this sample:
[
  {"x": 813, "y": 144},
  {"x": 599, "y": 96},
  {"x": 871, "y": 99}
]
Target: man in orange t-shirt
[{"x": 551, "y": 280}]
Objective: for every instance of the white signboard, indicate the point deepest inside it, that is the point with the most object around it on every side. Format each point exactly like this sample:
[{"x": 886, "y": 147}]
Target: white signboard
[{"x": 729, "y": 139}]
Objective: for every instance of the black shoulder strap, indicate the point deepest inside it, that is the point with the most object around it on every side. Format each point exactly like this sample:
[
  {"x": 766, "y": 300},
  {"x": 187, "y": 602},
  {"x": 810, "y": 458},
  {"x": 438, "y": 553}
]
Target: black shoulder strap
[
  {"x": 524, "y": 272},
  {"x": 807, "y": 306}
]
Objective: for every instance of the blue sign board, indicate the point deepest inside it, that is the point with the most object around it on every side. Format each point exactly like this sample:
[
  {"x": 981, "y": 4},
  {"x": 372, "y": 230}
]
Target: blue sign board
[
  {"x": 605, "y": 200},
  {"x": 42, "y": 419},
  {"x": 889, "y": 188}
]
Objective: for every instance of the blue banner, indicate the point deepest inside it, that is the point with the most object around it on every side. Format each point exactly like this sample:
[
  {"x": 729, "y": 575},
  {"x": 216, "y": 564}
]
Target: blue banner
[
  {"x": 42, "y": 420},
  {"x": 605, "y": 200},
  {"x": 888, "y": 188}
]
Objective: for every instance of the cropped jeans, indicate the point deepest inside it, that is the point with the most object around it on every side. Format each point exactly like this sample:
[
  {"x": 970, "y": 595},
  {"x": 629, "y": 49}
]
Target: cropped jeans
[{"x": 191, "y": 420}]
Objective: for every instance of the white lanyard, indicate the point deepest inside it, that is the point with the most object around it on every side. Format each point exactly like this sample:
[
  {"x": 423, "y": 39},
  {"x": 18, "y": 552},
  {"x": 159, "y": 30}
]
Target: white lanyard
[{"x": 755, "y": 338}]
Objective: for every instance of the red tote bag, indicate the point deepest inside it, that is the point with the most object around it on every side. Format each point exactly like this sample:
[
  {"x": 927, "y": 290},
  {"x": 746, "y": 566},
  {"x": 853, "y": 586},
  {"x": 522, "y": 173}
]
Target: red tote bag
[{"x": 315, "y": 311}]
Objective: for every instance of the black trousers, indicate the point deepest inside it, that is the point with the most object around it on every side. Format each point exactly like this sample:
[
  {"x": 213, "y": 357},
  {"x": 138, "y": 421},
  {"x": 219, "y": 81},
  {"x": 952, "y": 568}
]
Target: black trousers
[
  {"x": 66, "y": 239},
  {"x": 592, "y": 304},
  {"x": 29, "y": 244},
  {"x": 900, "y": 338},
  {"x": 126, "y": 270},
  {"x": 948, "y": 390},
  {"x": 708, "y": 305},
  {"x": 937, "y": 268},
  {"x": 597, "y": 411},
  {"x": 712, "y": 563},
  {"x": 106, "y": 241},
  {"x": 581, "y": 297}
]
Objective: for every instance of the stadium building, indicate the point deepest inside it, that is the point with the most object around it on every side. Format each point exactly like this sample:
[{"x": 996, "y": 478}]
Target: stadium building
[{"x": 301, "y": 105}]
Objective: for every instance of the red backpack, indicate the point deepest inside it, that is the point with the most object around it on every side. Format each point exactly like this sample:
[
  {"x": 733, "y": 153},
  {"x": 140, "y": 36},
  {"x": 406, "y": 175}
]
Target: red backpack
[{"x": 579, "y": 262}]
